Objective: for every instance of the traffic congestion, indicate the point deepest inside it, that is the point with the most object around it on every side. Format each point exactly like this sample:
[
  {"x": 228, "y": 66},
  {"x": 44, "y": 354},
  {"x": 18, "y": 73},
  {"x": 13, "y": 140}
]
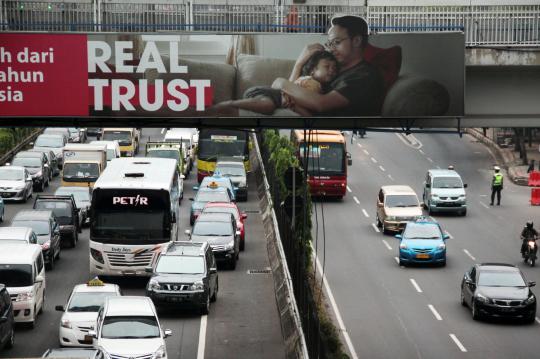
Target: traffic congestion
[{"x": 107, "y": 216}]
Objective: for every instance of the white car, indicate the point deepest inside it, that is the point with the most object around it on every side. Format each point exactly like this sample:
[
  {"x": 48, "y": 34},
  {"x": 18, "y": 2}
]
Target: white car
[
  {"x": 128, "y": 327},
  {"x": 15, "y": 183},
  {"x": 81, "y": 310}
]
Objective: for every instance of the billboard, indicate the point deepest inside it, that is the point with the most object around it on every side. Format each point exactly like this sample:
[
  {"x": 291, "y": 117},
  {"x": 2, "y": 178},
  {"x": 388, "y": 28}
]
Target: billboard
[{"x": 187, "y": 78}]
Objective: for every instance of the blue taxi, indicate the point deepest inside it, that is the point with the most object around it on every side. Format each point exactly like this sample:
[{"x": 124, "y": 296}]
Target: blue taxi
[
  {"x": 422, "y": 241},
  {"x": 211, "y": 193}
]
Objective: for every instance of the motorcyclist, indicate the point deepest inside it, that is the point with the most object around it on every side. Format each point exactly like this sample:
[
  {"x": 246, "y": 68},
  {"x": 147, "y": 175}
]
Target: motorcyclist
[{"x": 527, "y": 234}]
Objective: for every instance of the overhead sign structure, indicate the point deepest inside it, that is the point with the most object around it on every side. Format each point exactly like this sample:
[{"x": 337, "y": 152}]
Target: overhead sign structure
[{"x": 149, "y": 79}]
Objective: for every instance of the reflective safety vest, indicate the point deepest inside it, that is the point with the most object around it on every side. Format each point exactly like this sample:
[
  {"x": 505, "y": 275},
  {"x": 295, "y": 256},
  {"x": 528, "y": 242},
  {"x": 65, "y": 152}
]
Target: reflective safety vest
[{"x": 497, "y": 179}]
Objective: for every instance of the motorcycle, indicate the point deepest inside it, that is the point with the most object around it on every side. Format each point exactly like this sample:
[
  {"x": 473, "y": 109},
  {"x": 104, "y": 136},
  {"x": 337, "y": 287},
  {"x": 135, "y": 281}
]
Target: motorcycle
[{"x": 529, "y": 256}]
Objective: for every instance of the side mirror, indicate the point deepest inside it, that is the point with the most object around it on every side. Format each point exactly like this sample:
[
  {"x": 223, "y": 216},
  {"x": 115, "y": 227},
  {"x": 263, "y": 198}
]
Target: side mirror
[
  {"x": 191, "y": 199},
  {"x": 428, "y": 185},
  {"x": 531, "y": 284},
  {"x": 187, "y": 232},
  {"x": 195, "y": 188},
  {"x": 213, "y": 270},
  {"x": 92, "y": 334},
  {"x": 167, "y": 333},
  {"x": 445, "y": 236},
  {"x": 148, "y": 269},
  {"x": 399, "y": 236},
  {"x": 39, "y": 279},
  {"x": 349, "y": 159},
  {"x": 31, "y": 143},
  {"x": 465, "y": 185},
  {"x": 244, "y": 216},
  {"x": 60, "y": 308}
]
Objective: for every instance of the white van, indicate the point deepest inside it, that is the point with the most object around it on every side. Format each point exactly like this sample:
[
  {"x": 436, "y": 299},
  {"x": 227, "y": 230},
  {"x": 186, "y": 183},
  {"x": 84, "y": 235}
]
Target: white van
[
  {"x": 113, "y": 148},
  {"x": 22, "y": 271}
]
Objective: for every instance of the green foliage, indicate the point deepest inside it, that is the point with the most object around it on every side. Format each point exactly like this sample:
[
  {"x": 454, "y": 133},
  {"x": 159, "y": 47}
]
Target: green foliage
[{"x": 11, "y": 137}]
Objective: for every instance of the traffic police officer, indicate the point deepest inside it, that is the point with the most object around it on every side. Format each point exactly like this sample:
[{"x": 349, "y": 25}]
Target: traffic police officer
[{"x": 496, "y": 185}]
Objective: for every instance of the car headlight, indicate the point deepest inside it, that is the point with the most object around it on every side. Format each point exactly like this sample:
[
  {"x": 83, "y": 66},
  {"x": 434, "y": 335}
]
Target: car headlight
[
  {"x": 197, "y": 286},
  {"x": 391, "y": 218},
  {"x": 403, "y": 246},
  {"x": 229, "y": 245},
  {"x": 242, "y": 184},
  {"x": 160, "y": 353},
  {"x": 19, "y": 188},
  {"x": 46, "y": 245},
  {"x": 21, "y": 297},
  {"x": 530, "y": 300},
  {"x": 153, "y": 285},
  {"x": 482, "y": 298},
  {"x": 65, "y": 323},
  {"x": 441, "y": 246}
]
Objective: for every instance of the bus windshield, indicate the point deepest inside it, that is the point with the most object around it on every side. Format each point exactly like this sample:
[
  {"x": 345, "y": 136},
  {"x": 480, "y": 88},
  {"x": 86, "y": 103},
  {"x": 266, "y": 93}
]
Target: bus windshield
[
  {"x": 214, "y": 143},
  {"x": 324, "y": 158}
]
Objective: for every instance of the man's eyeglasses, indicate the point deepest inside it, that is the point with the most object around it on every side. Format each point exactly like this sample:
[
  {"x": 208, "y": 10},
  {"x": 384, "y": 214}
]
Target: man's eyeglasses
[{"x": 335, "y": 43}]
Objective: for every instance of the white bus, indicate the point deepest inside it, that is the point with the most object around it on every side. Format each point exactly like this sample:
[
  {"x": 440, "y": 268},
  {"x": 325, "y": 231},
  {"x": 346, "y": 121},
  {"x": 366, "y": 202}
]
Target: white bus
[{"x": 134, "y": 214}]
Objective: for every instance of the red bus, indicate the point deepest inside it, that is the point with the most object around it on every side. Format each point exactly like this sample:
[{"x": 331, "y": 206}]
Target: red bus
[{"x": 327, "y": 160}]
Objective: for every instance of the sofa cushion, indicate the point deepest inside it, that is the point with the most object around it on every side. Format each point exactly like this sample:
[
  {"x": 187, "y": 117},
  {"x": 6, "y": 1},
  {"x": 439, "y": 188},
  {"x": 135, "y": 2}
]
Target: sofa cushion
[
  {"x": 222, "y": 76},
  {"x": 388, "y": 61},
  {"x": 259, "y": 71}
]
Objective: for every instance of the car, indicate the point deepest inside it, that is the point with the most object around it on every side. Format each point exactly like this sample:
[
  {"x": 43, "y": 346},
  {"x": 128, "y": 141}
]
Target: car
[
  {"x": 15, "y": 184},
  {"x": 18, "y": 235},
  {"x": 240, "y": 217},
  {"x": 81, "y": 310},
  {"x": 185, "y": 136},
  {"x": 77, "y": 135},
  {"x": 422, "y": 241},
  {"x": 220, "y": 181},
  {"x": 397, "y": 205},
  {"x": 53, "y": 142},
  {"x": 63, "y": 131},
  {"x": 7, "y": 319},
  {"x": 45, "y": 226},
  {"x": 128, "y": 327},
  {"x": 79, "y": 353},
  {"x": 66, "y": 212},
  {"x": 498, "y": 290},
  {"x": 444, "y": 191},
  {"x": 44, "y": 157},
  {"x": 184, "y": 275},
  {"x": 52, "y": 161},
  {"x": 36, "y": 165},
  {"x": 93, "y": 131},
  {"x": 83, "y": 200},
  {"x": 235, "y": 170},
  {"x": 204, "y": 195},
  {"x": 221, "y": 233},
  {"x": 113, "y": 148}
]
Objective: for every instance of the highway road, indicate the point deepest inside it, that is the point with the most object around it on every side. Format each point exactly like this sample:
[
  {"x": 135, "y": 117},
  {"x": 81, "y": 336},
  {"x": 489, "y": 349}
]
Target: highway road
[
  {"x": 243, "y": 323},
  {"x": 388, "y": 311}
]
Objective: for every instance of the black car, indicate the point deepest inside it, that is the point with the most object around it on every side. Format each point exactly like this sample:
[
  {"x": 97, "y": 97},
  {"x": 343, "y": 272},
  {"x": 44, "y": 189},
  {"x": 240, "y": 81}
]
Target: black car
[
  {"x": 81, "y": 353},
  {"x": 47, "y": 230},
  {"x": 185, "y": 275},
  {"x": 66, "y": 212},
  {"x": 93, "y": 131},
  {"x": 51, "y": 160},
  {"x": 36, "y": 164},
  {"x": 7, "y": 322},
  {"x": 498, "y": 290}
]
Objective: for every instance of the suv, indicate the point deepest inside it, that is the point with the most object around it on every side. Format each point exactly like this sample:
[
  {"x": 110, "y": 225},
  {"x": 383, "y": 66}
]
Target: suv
[
  {"x": 45, "y": 227},
  {"x": 221, "y": 233},
  {"x": 7, "y": 321},
  {"x": 397, "y": 205},
  {"x": 51, "y": 160},
  {"x": 36, "y": 164},
  {"x": 66, "y": 212},
  {"x": 444, "y": 191},
  {"x": 186, "y": 274}
]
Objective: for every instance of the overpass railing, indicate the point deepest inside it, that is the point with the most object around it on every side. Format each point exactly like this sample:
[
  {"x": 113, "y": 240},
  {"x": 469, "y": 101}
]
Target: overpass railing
[{"x": 493, "y": 25}]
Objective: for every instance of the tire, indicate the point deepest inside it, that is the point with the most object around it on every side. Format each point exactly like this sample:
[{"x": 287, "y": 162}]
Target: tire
[
  {"x": 474, "y": 310},
  {"x": 3, "y": 215},
  {"x": 50, "y": 266},
  {"x": 73, "y": 240},
  {"x": 213, "y": 298},
  {"x": 533, "y": 260},
  {"x": 429, "y": 211},
  {"x": 378, "y": 221},
  {"x": 402, "y": 263},
  {"x": 463, "y": 302},
  {"x": 463, "y": 213},
  {"x": 383, "y": 230},
  {"x": 232, "y": 263},
  {"x": 243, "y": 244},
  {"x": 530, "y": 319},
  {"x": 58, "y": 254},
  {"x": 205, "y": 309},
  {"x": 443, "y": 264},
  {"x": 11, "y": 342}
]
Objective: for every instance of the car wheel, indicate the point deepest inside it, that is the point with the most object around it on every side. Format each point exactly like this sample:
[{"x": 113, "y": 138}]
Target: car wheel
[
  {"x": 74, "y": 239},
  {"x": 379, "y": 223},
  {"x": 214, "y": 296},
  {"x": 42, "y": 186},
  {"x": 383, "y": 230},
  {"x": 50, "y": 266},
  {"x": 463, "y": 213},
  {"x": 243, "y": 244},
  {"x": 205, "y": 309},
  {"x": 530, "y": 319},
  {"x": 232, "y": 263},
  {"x": 429, "y": 211},
  {"x": 3, "y": 215},
  {"x": 462, "y": 299},
  {"x": 11, "y": 342},
  {"x": 443, "y": 263},
  {"x": 474, "y": 309},
  {"x": 27, "y": 195},
  {"x": 402, "y": 263},
  {"x": 58, "y": 253},
  {"x": 46, "y": 183}
]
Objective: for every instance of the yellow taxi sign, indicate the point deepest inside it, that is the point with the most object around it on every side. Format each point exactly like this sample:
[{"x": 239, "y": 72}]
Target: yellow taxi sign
[
  {"x": 96, "y": 282},
  {"x": 213, "y": 185}
]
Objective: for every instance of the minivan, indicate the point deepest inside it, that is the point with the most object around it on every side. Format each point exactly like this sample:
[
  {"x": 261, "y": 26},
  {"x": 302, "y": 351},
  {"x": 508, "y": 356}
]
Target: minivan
[
  {"x": 22, "y": 271},
  {"x": 397, "y": 205},
  {"x": 444, "y": 191}
]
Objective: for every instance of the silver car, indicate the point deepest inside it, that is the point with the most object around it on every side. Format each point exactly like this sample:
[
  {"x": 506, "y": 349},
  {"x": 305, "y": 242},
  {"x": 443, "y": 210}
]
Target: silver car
[
  {"x": 235, "y": 170},
  {"x": 15, "y": 183},
  {"x": 54, "y": 142}
]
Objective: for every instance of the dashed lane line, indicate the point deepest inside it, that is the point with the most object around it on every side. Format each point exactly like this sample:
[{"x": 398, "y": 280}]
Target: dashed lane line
[
  {"x": 430, "y": 160},
  {"x": 386, "y": 244},
  {"x": 366, "y": 152},
  {"x": 484, "y": 205},
  {"x": 415, "y": 285},
  {"x": 375, "y": 228},
  {"x": 458, "y": 343},
  {"x": 349, "y": 189},
  {"x": 422, "y": 152},
  {"x": 397, "y": 260},
  {"x": 356, "y": 200},
  {"x": 365, "y": 213},
  {"x": 434, "y": 311},
  {"x": 469, "y": 254},
  {"x": 373, "y": 160},
  {"x": 359, "y": 145},
  {"x": 382, "y": 168},
  {"x": 392, "y": 178},
  {"x": 449, "y": 235}
]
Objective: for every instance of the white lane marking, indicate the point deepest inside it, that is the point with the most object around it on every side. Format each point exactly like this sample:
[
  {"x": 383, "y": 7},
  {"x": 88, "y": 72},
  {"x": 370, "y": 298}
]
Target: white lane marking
[
  {"x": 356, "y": 200},
  {"x": 366, "y": 152},
  {"x": 422, "y": 152},
  {"x": 434, "y": 311},
  {"x": 373, "y": 160},
  {"x": 336, "y": 311},
  {"x": 162, "y": 130},
  {"x": 458, "y": 343},
  {"x": 410, "y": 140},
  {"x": 359, "y": 145},
  {"x": 387, "y": 245},
  {"x": 349, "y": 189},
  {"x": 449, "y": 235},
  {"x": 416, "y": 286},
  {"x": 375, "y": 227},
  {"x": 483, "y": 195},
  {"x": 202, "y": 337},
  {"x": 537, "y": 320},
  {"x": 484, "y": 205},
  {"x": 390, "y": 176},
  {"x": 430, "y": 160},
  {"x": 382, "y": 168},
  {"x": 469, "y": 254},
  {"x": 365, "y": 213},
  {"x": 477, "y": 152},
  {"x": 397, "y": 260}
]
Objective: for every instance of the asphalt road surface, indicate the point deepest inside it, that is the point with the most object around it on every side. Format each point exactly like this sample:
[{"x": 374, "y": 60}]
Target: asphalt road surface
[
  {"x": 388, "y": 311},
  {"x": 243, "y": 323}
]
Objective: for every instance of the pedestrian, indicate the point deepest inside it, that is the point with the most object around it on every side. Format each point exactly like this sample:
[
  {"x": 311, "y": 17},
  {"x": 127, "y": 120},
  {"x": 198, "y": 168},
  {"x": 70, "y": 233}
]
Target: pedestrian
[{"x": 496, "y": 185}]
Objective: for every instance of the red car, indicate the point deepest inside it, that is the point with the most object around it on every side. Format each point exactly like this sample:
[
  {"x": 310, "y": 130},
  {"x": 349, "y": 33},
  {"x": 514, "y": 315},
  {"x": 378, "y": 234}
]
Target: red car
[{"x": 223, "y": 207}]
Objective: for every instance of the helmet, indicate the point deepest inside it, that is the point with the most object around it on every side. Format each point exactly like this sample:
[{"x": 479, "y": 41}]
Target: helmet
[
  {"x": 496, "y": 168},
  {"x": 529, "y": 224}
]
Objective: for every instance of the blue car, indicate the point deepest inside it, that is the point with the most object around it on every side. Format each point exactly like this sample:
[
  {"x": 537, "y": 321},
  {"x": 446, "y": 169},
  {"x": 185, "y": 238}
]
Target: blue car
[
  {"x": 212, "y": 193},
  {"x": 422, "y": 241}
]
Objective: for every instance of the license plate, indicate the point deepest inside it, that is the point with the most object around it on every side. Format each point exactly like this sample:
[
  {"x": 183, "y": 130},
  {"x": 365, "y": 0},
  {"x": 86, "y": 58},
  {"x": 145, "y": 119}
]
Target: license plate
[
  {"x": 422, "y": 256},
  {"x": 4, "y": 194},
  {"x": 176, "y": 299}
]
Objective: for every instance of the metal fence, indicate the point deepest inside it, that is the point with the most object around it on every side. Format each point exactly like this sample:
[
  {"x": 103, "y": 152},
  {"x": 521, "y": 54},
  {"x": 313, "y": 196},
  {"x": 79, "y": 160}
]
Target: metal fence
[{"x": 493, "y": 25}]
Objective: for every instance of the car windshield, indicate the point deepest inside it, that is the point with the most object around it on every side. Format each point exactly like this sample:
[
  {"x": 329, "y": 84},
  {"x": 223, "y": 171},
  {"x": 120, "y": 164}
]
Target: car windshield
[
  {"x": 59, "y": 208},
  {"x": 123, "y": 137},
  {"x": 16, "y": 275},
  {"x": 81, "y": 170},
  {"x": 163, "y": 154},
  {"x": 231, "y": 170},
  {"x": 73, "y": 353},
  {"x": 26, "y": 162},
  {"x": 422, "y": 231},
  {"x": 11, "y": 174},
  {"x": 41, "y": 228},
  {"x": 447, "y": 182},
  {"x": 401, "y": 200},
  {"x": 81, "y": 194},
  {"x": 500, "y": 279},
  {"x": 49, "y": 141},
  {"x": 180, "y": 265},
  {"x": 204, "y": 228},
  {"x": 88, "y": 301},
  {"x": 135, "y": 327},
  {"x": 212, "y": 196},
  {"x": 231, "y": 210}
]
